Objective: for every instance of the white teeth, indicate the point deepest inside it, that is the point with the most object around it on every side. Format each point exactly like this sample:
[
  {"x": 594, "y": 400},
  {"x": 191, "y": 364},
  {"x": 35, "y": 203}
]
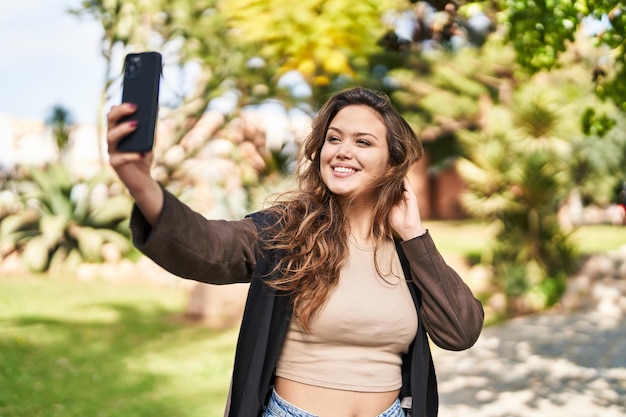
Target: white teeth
[{"x": 343, "y": 169}]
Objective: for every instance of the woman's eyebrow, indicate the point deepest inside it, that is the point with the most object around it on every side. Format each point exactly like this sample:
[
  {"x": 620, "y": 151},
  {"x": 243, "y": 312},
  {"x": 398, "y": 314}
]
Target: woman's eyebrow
[{"x": 336, "y": 129}]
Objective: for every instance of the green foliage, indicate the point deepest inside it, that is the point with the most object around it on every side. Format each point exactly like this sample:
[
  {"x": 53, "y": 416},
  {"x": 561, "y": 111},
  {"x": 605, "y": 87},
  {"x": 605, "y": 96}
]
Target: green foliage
[
  {"x": 64, "y": 222},
  {"x": 540, "y": 31},
  {"x": 594, "y": 124},
  {"x": 441, "y": 92},
  {"x": 320, "y": 39},
  {"x": 486, "y": 171},
  {"x": 116, "y": 16},
  {"x": 612, "y": 76},
  {"x": 530, "y": 230},
  {"x": 597, "y": 161},
  {"x": 537, "y": 120},
  {"x": 516, "y": 178}
]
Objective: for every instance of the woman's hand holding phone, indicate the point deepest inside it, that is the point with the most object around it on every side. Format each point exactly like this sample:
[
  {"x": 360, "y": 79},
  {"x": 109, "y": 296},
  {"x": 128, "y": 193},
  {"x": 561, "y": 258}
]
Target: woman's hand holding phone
[
  {"x": 131, "y": 130},
  {"x": 133, "y": 168}
]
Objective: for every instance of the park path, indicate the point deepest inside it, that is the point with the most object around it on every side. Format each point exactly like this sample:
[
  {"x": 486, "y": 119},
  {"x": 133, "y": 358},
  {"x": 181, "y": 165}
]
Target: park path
[{"x": 553, "y": 364}]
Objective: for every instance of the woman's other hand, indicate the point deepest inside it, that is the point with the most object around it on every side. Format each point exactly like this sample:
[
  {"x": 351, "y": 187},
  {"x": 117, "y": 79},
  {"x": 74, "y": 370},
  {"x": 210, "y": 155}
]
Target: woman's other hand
[{"x": 405, "y": 216}]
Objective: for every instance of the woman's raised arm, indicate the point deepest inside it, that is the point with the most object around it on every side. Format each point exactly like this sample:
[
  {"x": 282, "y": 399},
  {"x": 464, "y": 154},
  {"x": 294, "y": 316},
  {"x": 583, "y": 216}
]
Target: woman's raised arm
[{"x": 133, "y": 168}]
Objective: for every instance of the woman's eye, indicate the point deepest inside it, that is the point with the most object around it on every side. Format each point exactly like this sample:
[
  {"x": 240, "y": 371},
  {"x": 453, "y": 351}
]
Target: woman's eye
[
  {"x": 363, "y": 142},
  {"x": 332, "y": 139}
]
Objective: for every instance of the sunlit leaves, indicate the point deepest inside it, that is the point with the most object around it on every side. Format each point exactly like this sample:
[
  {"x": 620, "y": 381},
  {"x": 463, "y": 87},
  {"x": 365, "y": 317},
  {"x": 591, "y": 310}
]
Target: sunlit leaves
[
  {"x": 319, "y": 38},
  {"x": 594, "y": 124},
  {"x": 516, "y": 178},
  {"x": 487, "y": 174},
  {"x": 540, "y": 31}
]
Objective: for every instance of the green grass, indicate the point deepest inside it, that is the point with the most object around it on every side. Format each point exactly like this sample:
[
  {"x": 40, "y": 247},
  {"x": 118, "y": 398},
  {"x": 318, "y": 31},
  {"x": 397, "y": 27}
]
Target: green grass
[
  {"x": 600, "y": 238},
  {"x": 470, "y": 238},
  {"x": 106, "y": 349},
  {"x": 467, "y": 238}
]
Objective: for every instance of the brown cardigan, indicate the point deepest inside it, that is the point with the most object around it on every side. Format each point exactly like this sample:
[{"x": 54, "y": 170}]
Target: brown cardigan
[{"x": 222, "y": 252}]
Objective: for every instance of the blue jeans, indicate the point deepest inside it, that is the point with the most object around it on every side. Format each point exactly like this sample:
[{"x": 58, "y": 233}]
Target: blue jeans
[{"x": 277, "y": 407}]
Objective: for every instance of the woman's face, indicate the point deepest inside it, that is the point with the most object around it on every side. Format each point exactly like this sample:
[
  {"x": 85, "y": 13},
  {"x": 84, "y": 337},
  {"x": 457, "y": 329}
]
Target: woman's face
[{"x": 355, "y": 152}]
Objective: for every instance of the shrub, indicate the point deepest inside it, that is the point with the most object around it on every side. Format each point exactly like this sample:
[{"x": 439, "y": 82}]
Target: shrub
[{"x": 63, "y": 221}]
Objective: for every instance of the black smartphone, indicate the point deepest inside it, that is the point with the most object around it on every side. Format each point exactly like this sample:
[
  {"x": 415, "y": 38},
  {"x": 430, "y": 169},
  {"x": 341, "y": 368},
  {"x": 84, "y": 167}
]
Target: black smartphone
[{"x": 142, "y": 77}]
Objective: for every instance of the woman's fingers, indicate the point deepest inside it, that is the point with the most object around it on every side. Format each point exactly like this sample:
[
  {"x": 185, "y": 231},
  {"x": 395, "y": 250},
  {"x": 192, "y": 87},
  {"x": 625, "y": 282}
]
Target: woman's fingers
[
  {"x": 117, "y": 130},
  {"x": 116, "y": 133},
  {"x": 408, "y": 187},
  {"x": 119, "y": 111}
]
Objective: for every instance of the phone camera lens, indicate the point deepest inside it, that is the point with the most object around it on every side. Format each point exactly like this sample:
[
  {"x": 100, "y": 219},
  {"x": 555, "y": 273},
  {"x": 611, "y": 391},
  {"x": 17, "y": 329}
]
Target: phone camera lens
[{"x": 133, "y": 66}]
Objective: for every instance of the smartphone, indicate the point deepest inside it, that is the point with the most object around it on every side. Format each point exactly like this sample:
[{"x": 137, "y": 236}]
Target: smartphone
[{"x": 142, "y": 77}]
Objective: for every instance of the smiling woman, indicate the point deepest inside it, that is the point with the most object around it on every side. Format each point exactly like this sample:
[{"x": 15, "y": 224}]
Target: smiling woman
[{"x": 346, "y": 284}]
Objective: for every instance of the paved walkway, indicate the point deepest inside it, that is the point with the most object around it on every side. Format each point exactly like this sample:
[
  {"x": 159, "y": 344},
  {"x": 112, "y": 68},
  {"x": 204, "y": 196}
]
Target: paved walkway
[{"x": 569, "y": 365}]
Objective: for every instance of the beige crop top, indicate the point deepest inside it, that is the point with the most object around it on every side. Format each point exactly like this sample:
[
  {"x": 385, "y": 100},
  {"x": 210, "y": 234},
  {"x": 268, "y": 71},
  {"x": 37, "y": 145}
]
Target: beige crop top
[{"x": 359, "y": 335}]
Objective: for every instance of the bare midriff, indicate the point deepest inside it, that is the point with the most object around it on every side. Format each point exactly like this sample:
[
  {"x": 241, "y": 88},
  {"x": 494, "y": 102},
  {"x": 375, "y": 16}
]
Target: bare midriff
[{"x": 326, "y": 402}]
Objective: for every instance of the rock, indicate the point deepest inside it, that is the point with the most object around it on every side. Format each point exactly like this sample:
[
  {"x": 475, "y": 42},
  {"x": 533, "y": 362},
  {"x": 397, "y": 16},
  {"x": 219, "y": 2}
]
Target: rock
[{"x": 598, "y": 266}]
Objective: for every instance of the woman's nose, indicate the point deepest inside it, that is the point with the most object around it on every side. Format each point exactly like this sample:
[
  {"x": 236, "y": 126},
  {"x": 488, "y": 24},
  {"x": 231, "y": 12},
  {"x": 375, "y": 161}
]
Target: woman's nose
[{"x": 344, "y": 151}]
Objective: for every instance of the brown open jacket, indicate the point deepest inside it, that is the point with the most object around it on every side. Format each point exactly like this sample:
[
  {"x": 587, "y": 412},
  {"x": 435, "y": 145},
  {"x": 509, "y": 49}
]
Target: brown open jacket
[{"x": 223, "y": 252}]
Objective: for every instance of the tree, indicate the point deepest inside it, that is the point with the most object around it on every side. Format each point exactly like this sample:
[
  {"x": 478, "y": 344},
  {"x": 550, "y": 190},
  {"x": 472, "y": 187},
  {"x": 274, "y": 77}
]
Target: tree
[
  {"x": 121, "y": 24},
  {"x": 444, "y": 76},
  {"x": 589, "y": 34},
  {"x": 208, "y": 43},
  {"x": 517, "y": 176},
  {"x": 327, "y": 42},
  {"x": 61, "y": 121},
  {"x": 324, "y": 41},
  {"x": 438, "y": 66},
  {"x": 540, "y": 31},
  {"x": 517, "y": 150},
  {"x": 598, "y": 161}
]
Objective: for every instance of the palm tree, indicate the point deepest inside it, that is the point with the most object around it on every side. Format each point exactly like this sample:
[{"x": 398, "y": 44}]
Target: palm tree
[
  {"x": 61, "y": 122},
  {"x": 517, "y": 177}
]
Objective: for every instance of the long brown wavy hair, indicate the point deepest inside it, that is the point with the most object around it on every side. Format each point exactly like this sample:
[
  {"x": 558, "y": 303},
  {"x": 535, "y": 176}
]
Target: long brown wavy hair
[{"x": 311, "y": 230}]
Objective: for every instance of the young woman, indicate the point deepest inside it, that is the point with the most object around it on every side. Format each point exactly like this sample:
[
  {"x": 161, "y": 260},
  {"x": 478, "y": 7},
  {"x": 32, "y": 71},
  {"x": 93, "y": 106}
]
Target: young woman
[{"x": 345, "y": 282}]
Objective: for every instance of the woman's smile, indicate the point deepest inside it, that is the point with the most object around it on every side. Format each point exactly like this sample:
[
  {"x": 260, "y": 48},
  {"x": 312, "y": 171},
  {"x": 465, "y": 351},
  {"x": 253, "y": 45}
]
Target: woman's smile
[{"x": 344, "y": 170}]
